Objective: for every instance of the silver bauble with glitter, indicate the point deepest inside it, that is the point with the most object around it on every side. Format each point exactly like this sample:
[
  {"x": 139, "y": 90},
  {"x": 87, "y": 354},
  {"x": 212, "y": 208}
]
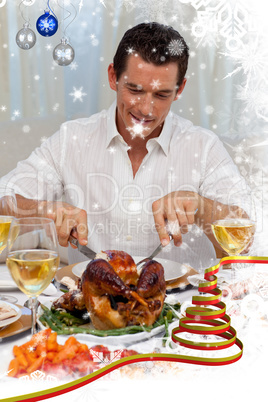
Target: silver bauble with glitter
[
  {"x": 26, "y": 38},
  {"x": 63, "y": 54}
]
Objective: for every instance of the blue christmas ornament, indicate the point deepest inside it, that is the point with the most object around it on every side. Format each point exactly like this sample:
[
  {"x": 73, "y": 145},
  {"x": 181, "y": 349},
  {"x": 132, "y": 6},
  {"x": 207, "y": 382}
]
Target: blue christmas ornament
[{"x": 47, "y": 24}]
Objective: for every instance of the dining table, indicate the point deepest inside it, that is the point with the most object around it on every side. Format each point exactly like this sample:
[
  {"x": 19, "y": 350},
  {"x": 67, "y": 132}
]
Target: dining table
[{"x": 158, "y": 379}]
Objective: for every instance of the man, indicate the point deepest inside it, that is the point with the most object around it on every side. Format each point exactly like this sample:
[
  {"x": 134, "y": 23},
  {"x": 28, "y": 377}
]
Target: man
[{"x": 134, "y": 173}]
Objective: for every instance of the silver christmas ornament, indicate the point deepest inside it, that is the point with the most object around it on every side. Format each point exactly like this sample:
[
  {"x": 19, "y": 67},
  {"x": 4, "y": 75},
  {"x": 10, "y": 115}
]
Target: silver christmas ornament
[
  {"x": 63, "y": 54},
  {"x": 26, "y": 38}
]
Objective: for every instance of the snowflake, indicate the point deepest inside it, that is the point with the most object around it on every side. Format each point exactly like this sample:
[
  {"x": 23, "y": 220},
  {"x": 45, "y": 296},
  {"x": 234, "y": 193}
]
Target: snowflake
[
  {"x": 73, "y": 65},
  {"x": 95, "y": 42},
  {"x": 3, "y": 108},
  {"x": 38, "y": 376},
  {"x": 98, "y": 357},
  {"x": 228, "y": 19},
  {"x": 155, "y": 84},
  {"x": 209, "y": 109},
  {"x": 162, "y": 11},
  {"x": 48, "y": 46},
  {"x": 46, "y": 24},
  {"x": 176, "y": 47},
  {"x": 56, "y": 107},
  {"x": 26, "y": 129},
  {"x": 77, "y": 94},
  {"x": 64, "y": 54},
  {"x": 43, "y": 139}
]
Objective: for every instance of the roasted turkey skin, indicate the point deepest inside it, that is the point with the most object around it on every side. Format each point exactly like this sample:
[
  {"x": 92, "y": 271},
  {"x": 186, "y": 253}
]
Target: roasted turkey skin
[{"x": 138, "y": 303}]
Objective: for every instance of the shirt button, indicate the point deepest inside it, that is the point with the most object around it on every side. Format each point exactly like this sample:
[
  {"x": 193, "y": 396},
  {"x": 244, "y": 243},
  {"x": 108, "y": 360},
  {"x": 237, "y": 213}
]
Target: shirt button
[{"x": 128, "y": 237}]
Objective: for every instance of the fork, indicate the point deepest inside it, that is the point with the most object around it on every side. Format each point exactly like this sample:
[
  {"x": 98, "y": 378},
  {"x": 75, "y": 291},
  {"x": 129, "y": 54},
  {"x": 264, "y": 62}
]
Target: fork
[{"x": 154, "y": 253}]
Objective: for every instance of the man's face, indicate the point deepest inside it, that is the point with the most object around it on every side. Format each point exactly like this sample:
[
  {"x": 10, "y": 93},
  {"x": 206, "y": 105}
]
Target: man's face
[{"x": 145, "y": 93}]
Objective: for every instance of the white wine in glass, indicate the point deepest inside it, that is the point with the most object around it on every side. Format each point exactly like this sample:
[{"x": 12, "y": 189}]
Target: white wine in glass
[
  {"x": 8, "y": 208},
  {"x": 233, "y": 235},
  {"x": 33, "y": 257},
  {"x": 233, "y": 220}
]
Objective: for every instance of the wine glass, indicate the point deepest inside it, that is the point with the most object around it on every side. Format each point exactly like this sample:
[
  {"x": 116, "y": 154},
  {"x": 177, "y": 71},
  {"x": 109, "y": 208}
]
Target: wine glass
[
  {"x": 8, "y": 208},
  {"x": 33, "y": 257},
  {"x": 233, "y": 225},
  {"x": 233, "y": 220}
]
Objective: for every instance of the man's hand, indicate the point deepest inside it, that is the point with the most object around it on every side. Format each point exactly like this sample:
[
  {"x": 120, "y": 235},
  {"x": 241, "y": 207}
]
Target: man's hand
[
  {"x": 173, "y": 213},
  {"x": 66, "y": 217}
]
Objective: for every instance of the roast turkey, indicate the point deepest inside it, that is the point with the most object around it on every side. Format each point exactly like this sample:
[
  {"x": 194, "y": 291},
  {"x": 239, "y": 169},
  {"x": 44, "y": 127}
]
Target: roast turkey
[{"x": 115, "y": 294}]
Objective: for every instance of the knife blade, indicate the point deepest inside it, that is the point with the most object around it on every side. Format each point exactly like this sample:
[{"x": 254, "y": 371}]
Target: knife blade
[{"x": 83, "y": 249}]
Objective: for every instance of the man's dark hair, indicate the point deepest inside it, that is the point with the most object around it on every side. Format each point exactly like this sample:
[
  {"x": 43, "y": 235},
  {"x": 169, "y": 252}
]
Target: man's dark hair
[{"x": 154, "y": 43}]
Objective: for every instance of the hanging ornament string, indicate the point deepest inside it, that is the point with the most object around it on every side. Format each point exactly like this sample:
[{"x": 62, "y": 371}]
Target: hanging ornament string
[
  {"x": 63, "y": 54},
  {"x": 51, "y": 9},
  {"x": 47, "y": 24},
  {"x": 25, "y": 38},
  {"x": 68, "y": 16}
]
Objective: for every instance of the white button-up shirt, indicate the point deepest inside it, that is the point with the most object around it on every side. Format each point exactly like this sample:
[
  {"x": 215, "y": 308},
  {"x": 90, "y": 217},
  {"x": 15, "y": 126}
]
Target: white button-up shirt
[{"x": 87, "y": 161}]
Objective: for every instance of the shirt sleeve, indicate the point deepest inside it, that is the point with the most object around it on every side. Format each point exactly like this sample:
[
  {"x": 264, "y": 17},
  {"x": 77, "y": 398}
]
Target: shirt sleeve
[{"x": 39, "y": 176}]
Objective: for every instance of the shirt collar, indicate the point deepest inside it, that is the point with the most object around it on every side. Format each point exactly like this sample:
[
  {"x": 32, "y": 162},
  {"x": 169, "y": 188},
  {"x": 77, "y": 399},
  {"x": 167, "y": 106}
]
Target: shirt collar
[
  {"x": 163, "y": 140},
  {"x": 165, "y": 136},
  {"x": 111, "y": 125}
]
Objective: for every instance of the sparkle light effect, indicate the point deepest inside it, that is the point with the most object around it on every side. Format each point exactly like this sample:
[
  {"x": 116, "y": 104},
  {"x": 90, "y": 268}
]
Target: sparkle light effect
[
  {"x": 137, "y": 130},
  {"x": 77, "y": 94},
  {"x": 103, "y": 3}
]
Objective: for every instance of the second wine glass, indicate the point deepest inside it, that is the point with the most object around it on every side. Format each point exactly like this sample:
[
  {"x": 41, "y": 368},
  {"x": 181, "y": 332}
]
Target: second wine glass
[
  {"x": 33, "y": 257},
  {"x": 233, "y": 220},
  {"x": 8, "y": 209}
]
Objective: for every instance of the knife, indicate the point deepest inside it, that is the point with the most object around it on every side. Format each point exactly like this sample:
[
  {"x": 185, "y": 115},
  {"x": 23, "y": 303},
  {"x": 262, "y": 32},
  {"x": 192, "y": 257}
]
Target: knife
[{"x": 83, "y": 249}]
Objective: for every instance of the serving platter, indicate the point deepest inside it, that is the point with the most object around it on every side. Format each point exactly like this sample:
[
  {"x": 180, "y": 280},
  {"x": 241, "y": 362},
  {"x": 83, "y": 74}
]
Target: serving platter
[
  {"x": 173, "y": 270},
  {"x": 118, "y": 340}
]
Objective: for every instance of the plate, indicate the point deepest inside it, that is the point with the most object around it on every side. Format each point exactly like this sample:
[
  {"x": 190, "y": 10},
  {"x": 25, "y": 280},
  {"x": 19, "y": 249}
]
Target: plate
[
  {"x": 65, "y": 271},
  {"x": 21, "y": 325},
  {"x": 173, "y": 270},
  {"x": 118, "y": 340},
  {"x": 8, "y": 321}
]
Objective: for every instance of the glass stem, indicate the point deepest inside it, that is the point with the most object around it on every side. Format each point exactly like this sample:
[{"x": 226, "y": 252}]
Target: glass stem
[{"x": 33, "y": 307}]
